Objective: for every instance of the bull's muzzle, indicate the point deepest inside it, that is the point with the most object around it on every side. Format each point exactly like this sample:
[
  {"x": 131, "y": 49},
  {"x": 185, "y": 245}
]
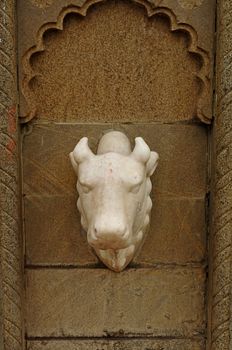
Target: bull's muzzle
[{"x": 109, "y": 236}]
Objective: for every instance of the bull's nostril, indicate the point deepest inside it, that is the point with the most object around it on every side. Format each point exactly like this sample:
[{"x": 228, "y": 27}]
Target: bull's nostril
[
  {"x": 96, "y": 233},
  {"x": 115, "y": 232},
  {"x": 125, "y": 234}
]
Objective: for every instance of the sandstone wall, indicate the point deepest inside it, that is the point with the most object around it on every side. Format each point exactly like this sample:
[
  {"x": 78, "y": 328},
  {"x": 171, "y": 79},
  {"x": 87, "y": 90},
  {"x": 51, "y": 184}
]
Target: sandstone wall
[{"x": 143, "y": 68}]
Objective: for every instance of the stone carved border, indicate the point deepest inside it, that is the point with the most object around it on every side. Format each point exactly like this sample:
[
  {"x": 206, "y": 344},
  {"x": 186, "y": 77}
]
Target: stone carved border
[
  {"x": 11, "y": 326},
  {"x": 203, "y": 75},
  {"x": 220, "y": 296}
]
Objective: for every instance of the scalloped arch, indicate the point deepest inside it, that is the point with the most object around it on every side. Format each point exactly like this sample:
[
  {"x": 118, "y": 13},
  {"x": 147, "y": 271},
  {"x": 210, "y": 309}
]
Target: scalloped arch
[{"x": 203, "y": 112}]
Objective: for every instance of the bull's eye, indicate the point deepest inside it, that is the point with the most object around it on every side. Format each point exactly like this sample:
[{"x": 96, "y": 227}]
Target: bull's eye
[
  {"x": 135, "y": 188},
  {"x": 86, "y": 188}
]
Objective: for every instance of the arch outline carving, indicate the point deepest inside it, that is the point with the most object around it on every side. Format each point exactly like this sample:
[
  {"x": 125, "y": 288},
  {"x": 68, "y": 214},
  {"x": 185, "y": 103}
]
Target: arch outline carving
[{"x": 203, "y": 111}]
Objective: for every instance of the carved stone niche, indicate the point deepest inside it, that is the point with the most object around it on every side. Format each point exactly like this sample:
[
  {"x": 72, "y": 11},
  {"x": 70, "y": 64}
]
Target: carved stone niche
[
  {"x": 141, "y": 66},
  {"x": 196, "y": 14}
]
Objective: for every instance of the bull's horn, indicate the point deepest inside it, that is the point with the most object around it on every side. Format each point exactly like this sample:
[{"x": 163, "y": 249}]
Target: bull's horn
[
  {"x": 82, "y": 151},
  {"x": 141, "y": 151}
]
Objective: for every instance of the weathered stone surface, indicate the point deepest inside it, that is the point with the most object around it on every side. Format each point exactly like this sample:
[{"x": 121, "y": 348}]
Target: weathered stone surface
[
  {"x": 11, "y": 328},
  {"x": 201, "y": 18},
  {"x": 197, "y": 17},
  {"x": 52, "y": 223},
  {"x": 182, "y": 169},
  {"x": 70, "y": 302},
  {"x": 190, "y": 4},
  {"x": 220, "y": 303},
  {"x": 141, "y": 67},
  {"x": 42, "y": 3},
  {"x": 177, "y": 232},
  {"x": 144, "y": 344},
  {"x": 54, "y": 234}
]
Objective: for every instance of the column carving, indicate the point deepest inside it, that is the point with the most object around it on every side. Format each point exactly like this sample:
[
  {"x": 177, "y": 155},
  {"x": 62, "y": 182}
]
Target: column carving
[
  {"x": 221, "y": 294},
  {"x": 10, "y": 241}
]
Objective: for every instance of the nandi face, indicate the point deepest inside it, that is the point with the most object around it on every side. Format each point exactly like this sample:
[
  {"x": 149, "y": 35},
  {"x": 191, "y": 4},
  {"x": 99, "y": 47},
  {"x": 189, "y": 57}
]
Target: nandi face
[{"x": 114, "y": 201}]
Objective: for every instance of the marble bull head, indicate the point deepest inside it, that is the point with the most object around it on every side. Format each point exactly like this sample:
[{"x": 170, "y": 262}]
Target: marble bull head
[{"x": 114, "y": 195}]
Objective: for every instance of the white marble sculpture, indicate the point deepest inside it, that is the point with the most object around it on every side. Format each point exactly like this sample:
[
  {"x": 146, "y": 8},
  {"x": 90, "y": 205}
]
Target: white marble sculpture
[{"x": 114, "y": 195}]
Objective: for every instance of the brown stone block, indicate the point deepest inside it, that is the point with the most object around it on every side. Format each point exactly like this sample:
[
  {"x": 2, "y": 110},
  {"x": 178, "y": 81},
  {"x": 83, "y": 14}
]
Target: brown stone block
[
  {"x": 54, "y": 235},
  {"x": 144, "y": 302},
  {"x": 53, "y": 232},
  {"x": 183, "y": 151},
  {"x": 177, "y": 232},
  {"x": 144, "y": 344},
  {"x": 52, "y": 223},
  {"x": 182, "y": 169}
]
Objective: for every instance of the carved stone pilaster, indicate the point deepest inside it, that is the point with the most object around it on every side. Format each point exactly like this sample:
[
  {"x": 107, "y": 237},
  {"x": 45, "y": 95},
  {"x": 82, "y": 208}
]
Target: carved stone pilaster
[
  {"x": 10, "y": 242},
  {"x": 221, "y": 297}
]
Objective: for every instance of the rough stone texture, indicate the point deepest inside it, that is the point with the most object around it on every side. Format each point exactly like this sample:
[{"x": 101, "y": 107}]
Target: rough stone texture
[
  {"x": 144, "y": 344},
  {"x": 10, "y": 300},
  {"x": 42, "y": 3},
  {"x": 177, "y": 232},
  {"x": 221, "y": 300},
  {"x": 182, "y": 169},
  {"x": 201, "y": 18},
  {"x": 137, "y": 74},
  {"x": 52, "y": 223},
  {"x": 140, "y": 66},
  {"x": 54, "y": 234},
  {"x": 152, "y": 302},
  {"x": 190, "y": 4},
  {"x": 10, "y": 244}
]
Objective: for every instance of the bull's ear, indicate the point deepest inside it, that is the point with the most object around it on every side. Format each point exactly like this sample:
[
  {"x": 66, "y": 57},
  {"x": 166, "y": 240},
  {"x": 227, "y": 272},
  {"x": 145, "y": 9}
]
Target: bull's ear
[
  {"x": 152, "y": 163},
  {"x": 74, "y": 163},
  {"x": 82, "y": 151},
  {"x": 141, "y": 151}
]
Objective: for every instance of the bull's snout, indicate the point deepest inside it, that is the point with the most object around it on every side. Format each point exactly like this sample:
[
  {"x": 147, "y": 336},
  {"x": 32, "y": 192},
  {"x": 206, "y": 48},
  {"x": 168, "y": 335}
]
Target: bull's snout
[{"x": 109, "y": 235}]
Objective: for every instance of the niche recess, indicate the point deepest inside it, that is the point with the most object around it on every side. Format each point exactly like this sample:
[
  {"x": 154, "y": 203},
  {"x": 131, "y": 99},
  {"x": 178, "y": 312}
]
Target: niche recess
[{"x": 144, "y": 67}]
